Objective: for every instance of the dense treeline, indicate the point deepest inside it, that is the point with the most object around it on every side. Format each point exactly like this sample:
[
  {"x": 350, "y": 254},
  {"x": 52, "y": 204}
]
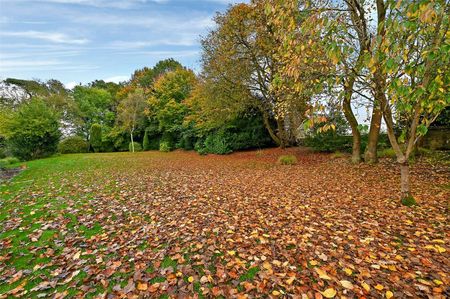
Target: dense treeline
[
  {"x": 273, "y": 72},
  {"x": 153, "y": 111}
]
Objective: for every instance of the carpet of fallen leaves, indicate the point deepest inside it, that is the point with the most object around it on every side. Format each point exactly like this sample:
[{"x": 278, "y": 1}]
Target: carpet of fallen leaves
[{"x": 239, "y": 226}]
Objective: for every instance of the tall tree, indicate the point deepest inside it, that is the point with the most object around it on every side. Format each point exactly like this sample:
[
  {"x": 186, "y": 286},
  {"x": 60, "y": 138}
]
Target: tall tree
[
  {"x": 411, "y": 67},
  {"x": 167, "y": 105},
  {"x": 93, "y": 105},
  {"x": 239, "y": 64},
  {"x": 131, "y": 112}
]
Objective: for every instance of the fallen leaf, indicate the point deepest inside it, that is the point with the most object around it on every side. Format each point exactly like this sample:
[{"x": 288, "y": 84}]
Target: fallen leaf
[
  {"x": 329, "y": 293},
  {"x": 346, "y": 284}
]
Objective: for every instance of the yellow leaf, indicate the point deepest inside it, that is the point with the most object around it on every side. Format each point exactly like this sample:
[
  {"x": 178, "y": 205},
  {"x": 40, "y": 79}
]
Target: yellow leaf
[
  {"x": 329, "y": 293},
  {"x": 438, "y": 282},
  {"x": 348, "y": 271},
  {"x": 142, "y": 286},
  {"x": 191, "y": 279},
  {"x": 379, "y": 287},
  {"x": 276, "y": 263},
  {"x": 290, "y": 280},
  {"x": 365, "y": 286},
  {"x": 439, "y": 241},
  {"x": 346, "y": 284},
  {"x": 267, "y": 265},
  {"x": 313, "y": 262},
  {"x": 322, "y": 274},
  {"x": 389, "y": 294},
  {"x": 275, "y": 293},
  {"x": 440, "y": 249},
  {"x": 231, "y": 252}
]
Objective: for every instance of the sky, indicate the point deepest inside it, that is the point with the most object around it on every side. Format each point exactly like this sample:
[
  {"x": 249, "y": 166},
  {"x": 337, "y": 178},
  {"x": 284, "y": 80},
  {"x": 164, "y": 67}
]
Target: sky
[{"x": 78, "y": 41}]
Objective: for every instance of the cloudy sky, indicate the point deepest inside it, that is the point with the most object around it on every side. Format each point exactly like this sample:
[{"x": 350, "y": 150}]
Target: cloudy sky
[{"x": 83, "y": 40}]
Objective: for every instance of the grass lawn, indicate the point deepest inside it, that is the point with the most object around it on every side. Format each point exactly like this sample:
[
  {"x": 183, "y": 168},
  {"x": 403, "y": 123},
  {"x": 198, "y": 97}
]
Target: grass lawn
[{"x": 179, "y": 224}]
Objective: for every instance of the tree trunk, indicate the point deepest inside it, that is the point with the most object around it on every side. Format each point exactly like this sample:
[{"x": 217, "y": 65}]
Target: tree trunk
[
  {"x": 370, "y": 155},
  {"x": 356, "y": 148},
  {"x": 281, "y": 133},
  {"x": 132, "y": 142},
  {"x": 270, "y": 130},
  {"x": 405, "y": 186}
]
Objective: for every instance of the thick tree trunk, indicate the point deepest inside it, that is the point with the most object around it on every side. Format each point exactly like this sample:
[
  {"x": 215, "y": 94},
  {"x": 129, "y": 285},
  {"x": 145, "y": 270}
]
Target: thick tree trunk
[
  {"x": 370, "y": 154},
  {"x": 270, "y": 130},
  {"x": 348, "y": 112},
  {"x": 281, "y": 133},
  {"x": 405, "y": 185}
]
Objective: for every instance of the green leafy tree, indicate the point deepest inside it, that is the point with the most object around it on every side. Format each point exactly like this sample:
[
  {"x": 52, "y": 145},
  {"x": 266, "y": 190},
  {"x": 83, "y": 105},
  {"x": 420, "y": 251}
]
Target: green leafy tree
[
  {"x": 411, "y": 67},
  {"x": 167, "y": 105},
  {"x": 95, "y": 137},
  {"x": 32, "y": 131},
  {"x": 93, "y": 105}
]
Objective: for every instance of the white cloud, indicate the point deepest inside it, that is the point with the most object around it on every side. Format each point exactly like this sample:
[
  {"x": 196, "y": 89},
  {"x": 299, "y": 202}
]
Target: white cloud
[
  {"x": 117, "y": 79},
  {"x": 120, "y": 4},
  {"x": 71, "y": 85},
  {"x": 54, "y": 37}
]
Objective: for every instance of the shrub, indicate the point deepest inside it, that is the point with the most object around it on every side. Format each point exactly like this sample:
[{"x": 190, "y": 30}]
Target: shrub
[
  {"x": 199, "y": 147},
  {"x": 287, "y": 160},
  {"x": 166, "y": 142},
  {"x": 95, "y": 137},
  {"x": 409, "y": 201},
  {"x": 244, "y": 132},
  {"x": 217, "y": 143},
  {"x": 8, "y": 161},
  {"x": 331, "y": 142},
  {"x": 72, "y": 145},
  {"x": 146, "y": 142},
  {"x": 164, "y": 146},
  {"x": 137, "y": 147},
  {"x": 387, "y": 153},
  {"x": 32, "y": 131},
  {"x": 337, "y": 155}
]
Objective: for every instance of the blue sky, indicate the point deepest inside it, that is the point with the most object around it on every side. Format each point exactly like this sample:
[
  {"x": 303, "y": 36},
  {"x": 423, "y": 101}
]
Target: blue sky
[{"x": 82, "y": 40}]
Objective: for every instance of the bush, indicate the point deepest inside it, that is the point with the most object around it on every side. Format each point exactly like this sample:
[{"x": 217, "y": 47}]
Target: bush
[
  {"x": 409, "y": 201},
  {"x": 217, "y": 143},
  {"x": 164, "y": 146},
  {"x": 8, "y": 161},
  {"x": 337, "y": 155},
  {"x": 244, "y": 132},
  {"x": 137, "y": 147},
  {"x": 73, "y": 145},
  {"x": 331, "y": 142},
  {"x": 387, "y": 153},
  {"x": 32, "y": 131},
  {"x": 166, "y": 143},
  {"x": 146, "y": 142},
  {"x": 287, "y": 160},
  {"x": 95, "y": 137}
]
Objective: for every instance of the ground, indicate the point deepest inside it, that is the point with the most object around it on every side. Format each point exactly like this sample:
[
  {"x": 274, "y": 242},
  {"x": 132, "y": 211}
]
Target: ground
[{"x": 177, "y": 224}]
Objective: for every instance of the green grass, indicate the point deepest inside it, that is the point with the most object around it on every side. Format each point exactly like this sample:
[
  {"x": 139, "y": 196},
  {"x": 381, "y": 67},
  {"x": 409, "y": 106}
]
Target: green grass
[
  {"x": 50, "y": 203},
  {"x": 287, "y": 160}
]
